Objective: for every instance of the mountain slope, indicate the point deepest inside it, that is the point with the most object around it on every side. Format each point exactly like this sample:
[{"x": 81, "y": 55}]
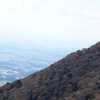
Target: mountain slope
[{"x": 75, "y": 77}]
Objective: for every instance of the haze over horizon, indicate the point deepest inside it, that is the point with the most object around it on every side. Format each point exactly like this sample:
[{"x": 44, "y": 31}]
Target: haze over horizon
[
  {"x": 74, "y": 22},
  {"x": 37, "y": 33}
]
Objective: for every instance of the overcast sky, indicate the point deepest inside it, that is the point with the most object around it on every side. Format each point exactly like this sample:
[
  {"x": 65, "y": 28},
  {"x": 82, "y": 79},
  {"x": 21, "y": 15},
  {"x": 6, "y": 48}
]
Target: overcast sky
[{"x": 63, "y": 21}]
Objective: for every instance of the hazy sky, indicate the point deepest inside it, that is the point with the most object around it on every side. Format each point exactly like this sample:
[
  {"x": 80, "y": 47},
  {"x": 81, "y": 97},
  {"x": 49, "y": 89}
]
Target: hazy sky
[{"x": 68, "y": 21}]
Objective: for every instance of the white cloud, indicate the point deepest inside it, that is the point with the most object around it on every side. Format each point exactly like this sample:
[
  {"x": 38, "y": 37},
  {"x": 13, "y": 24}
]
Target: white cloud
[
  {"x": 52, "y": 6},
  {"x": 35, "y": 16},
  {"x": 30, "y": 2},
  {"x": 10, "y": 15},
  {"x": 94, "y": 21},
  {"x": 13, "y": 4}
]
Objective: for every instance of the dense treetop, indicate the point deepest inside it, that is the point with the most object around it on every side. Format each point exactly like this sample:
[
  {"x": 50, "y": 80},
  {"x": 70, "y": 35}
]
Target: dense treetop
[{"x": 75, "y": 77}]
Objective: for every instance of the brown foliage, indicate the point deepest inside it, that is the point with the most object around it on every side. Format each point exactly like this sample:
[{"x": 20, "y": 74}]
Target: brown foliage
[{"x": 75, "y": 77}]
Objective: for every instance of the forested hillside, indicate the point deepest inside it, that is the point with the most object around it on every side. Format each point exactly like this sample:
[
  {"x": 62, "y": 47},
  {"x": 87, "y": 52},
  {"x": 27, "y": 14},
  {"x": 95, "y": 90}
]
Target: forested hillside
[{"x": 75, "y": 77}]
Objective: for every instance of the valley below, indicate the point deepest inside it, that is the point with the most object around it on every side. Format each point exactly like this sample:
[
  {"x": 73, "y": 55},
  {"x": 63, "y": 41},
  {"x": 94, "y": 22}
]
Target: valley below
[{"x": 20, "y": 60}]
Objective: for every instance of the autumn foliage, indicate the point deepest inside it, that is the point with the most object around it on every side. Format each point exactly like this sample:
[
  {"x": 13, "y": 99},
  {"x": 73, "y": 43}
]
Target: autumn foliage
[{"x": 75, "y": 77}]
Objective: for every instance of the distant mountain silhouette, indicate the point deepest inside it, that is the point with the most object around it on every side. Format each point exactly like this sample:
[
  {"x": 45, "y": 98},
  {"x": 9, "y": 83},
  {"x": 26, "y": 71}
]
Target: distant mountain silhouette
[{"x": 75, "y": 77}]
